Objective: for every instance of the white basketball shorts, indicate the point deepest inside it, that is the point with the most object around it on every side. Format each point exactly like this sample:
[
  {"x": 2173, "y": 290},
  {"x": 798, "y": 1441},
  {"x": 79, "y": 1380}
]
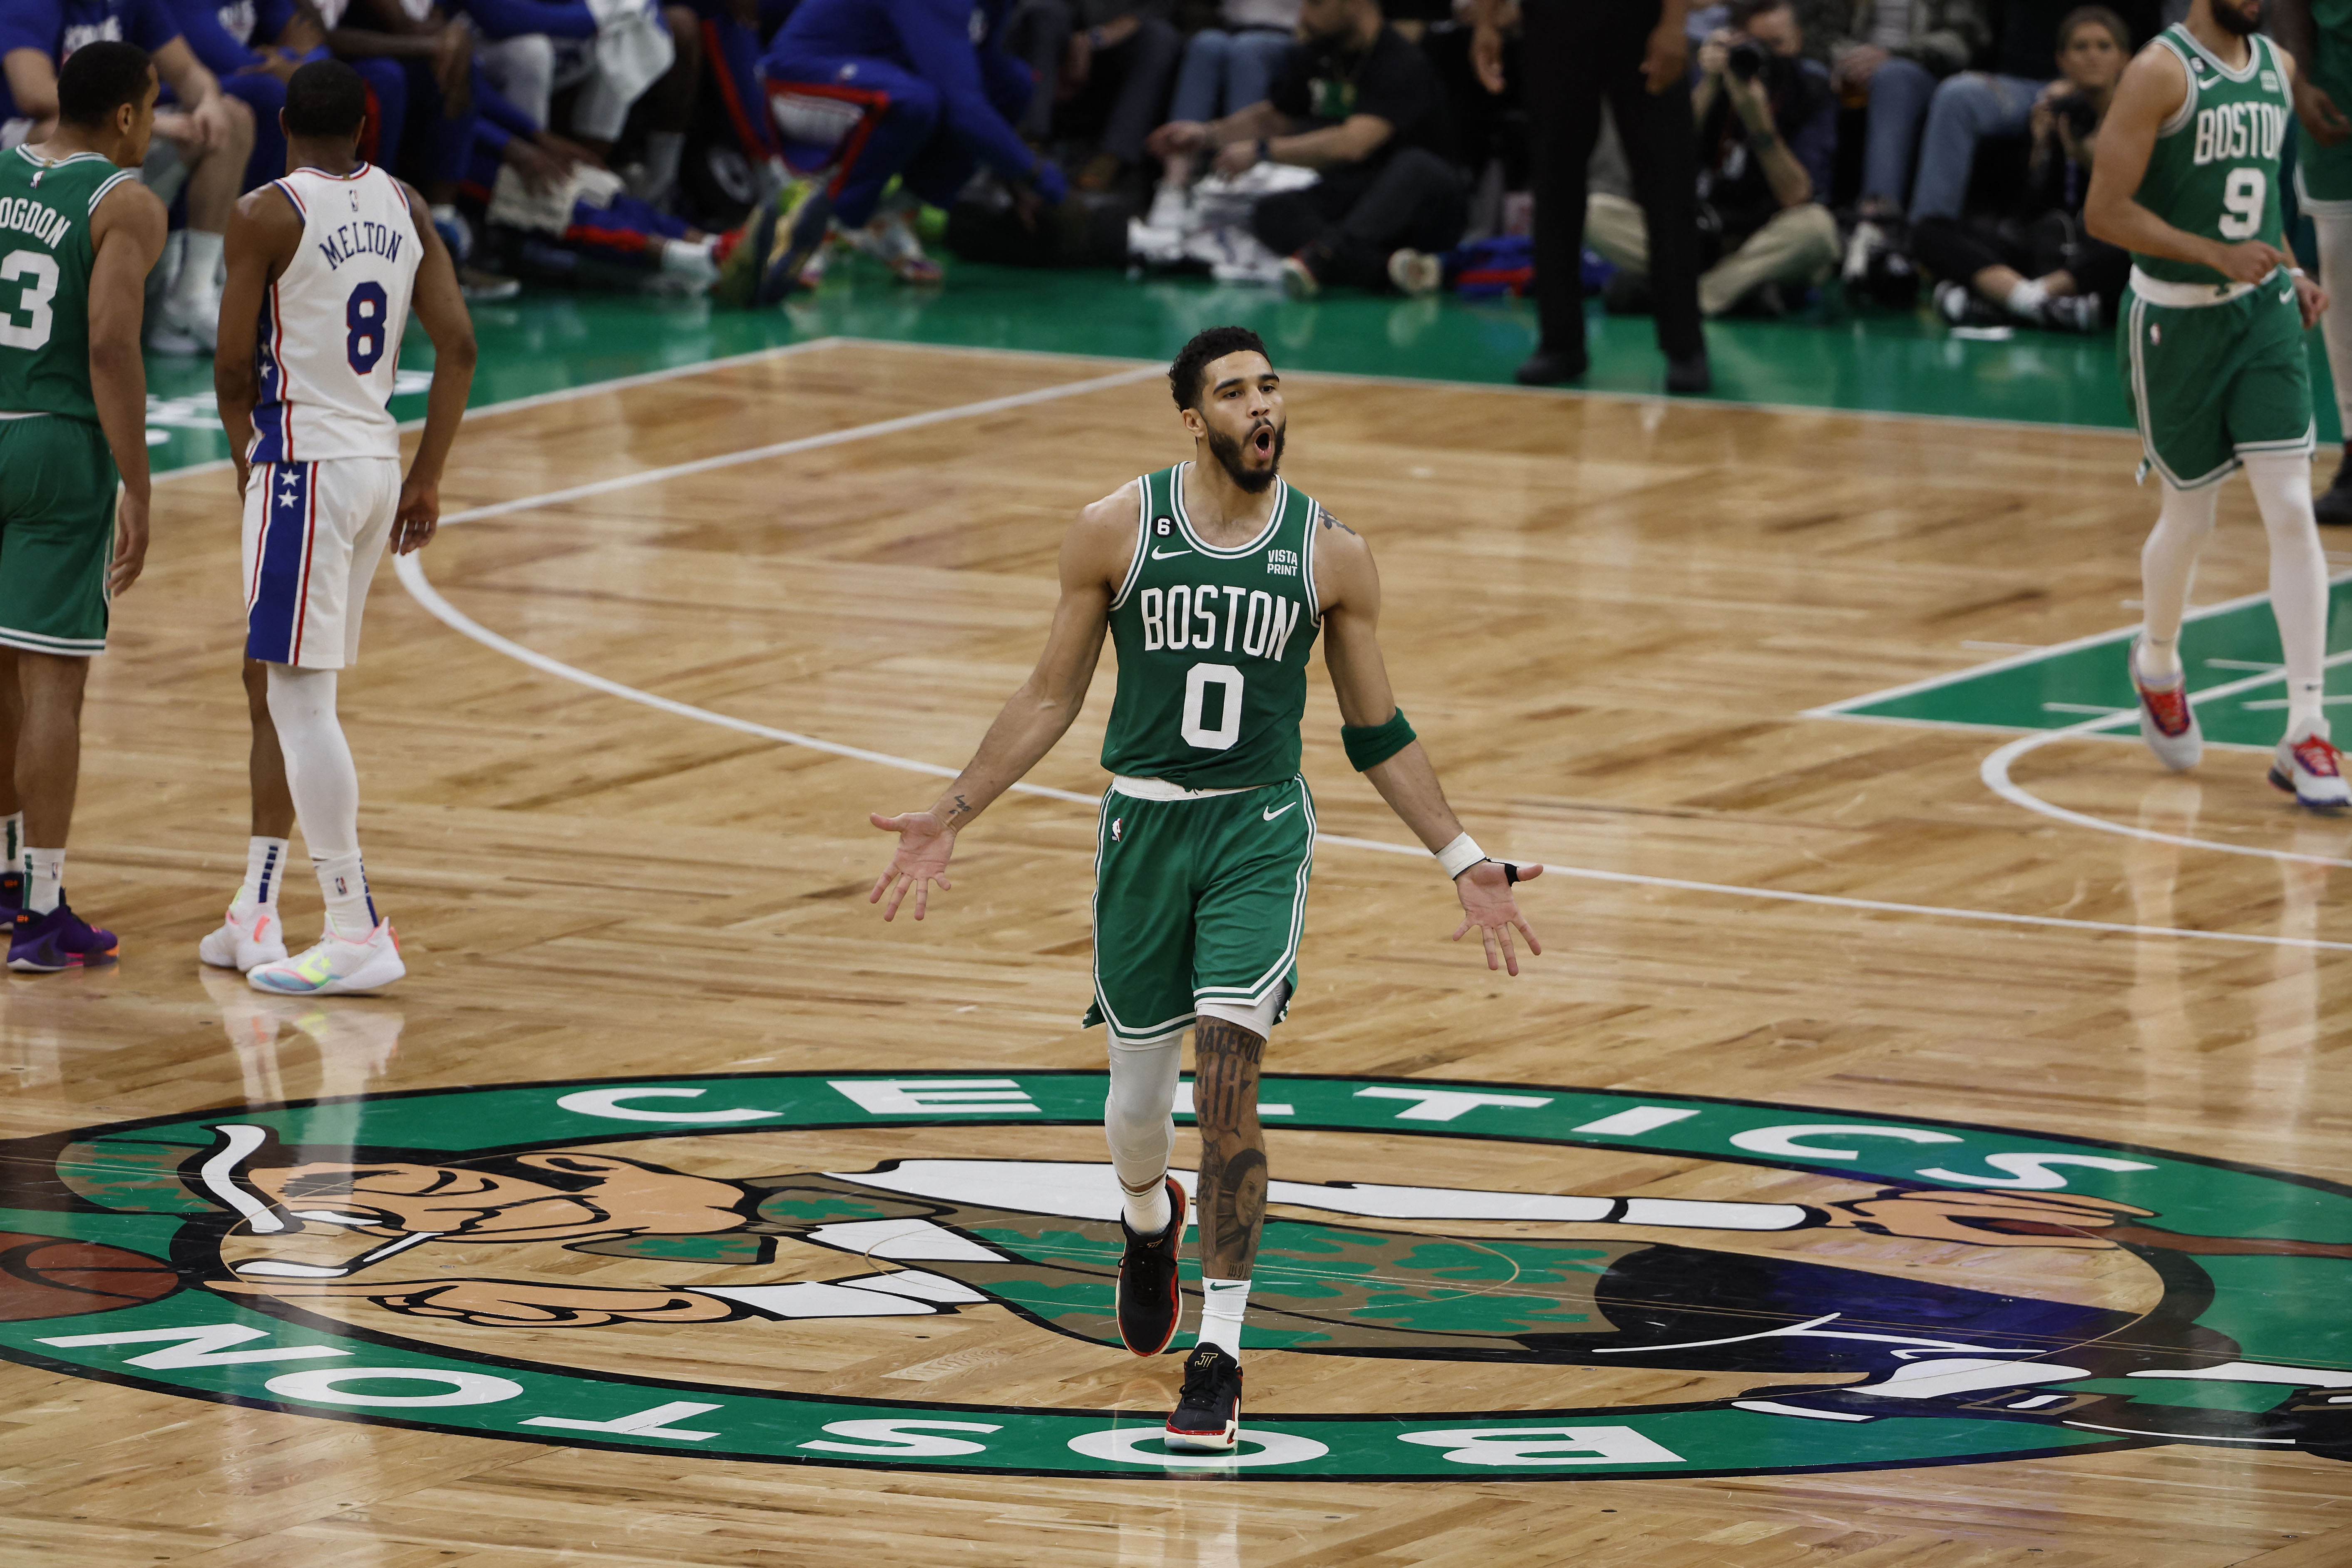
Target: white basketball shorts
[{"x": 313, "y": 535}]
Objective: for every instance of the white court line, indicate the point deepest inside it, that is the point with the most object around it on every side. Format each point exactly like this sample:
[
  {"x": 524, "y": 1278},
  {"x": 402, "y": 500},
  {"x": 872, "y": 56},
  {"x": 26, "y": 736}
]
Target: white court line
[
  {"x": 1844, "y": 708},
  {"x": 411, "y": 571},
  {"x": 569, "y": 393},
  {"x": 1994, "y": 772}
]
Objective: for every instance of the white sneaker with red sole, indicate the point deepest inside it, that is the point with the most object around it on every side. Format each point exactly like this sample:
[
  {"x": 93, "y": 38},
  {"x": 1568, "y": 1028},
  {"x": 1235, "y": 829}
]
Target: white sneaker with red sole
[
  {"x": 2310, "y": 770},
  {"x": 2167, "y": 723}
]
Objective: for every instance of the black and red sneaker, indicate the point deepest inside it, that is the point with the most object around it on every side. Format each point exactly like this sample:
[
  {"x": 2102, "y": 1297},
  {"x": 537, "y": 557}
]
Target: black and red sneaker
[
  {"x": 1150, "y": 1302},
  {"x": 1208, "y": 1417},
  {"x": 43, "y": 944}
]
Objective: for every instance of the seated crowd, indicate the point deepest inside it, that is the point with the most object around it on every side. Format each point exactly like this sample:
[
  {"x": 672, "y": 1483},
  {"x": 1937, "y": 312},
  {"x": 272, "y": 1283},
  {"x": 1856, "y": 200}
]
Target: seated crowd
[{"x": 683, "y": 145}]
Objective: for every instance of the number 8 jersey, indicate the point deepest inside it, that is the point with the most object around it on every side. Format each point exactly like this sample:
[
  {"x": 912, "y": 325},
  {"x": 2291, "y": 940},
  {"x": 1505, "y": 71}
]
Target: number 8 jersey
[
  {"x": 331, "y": 326},
  {"x": 2215, "y": 170}
]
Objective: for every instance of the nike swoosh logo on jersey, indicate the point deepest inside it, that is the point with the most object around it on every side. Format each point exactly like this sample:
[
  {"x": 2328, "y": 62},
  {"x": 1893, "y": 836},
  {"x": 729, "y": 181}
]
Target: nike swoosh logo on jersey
[
  {"x": 1270, "y": 815},
  {"x": 1164, "y": 554}
]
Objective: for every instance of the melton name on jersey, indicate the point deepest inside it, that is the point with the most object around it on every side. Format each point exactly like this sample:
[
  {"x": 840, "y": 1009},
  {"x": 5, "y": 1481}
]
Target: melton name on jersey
[
  {"x": 331, "y": 327},
  {"x": 1213, "y": 645}
]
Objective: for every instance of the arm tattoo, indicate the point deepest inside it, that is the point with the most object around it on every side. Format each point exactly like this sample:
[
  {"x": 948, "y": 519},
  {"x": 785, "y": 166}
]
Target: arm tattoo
[
  {"x": 962, "y": 807},
  {"x": 1232, "y": 1146}
]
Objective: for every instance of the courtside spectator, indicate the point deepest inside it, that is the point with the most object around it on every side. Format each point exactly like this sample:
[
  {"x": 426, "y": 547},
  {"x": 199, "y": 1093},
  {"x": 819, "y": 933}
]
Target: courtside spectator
[
  {"x": 2038, "y": 264},
  {"x": 200, "y": 131},
  {"x": 866, "y": 92},
  {"x": 1976, "y": 106},
  {"x": 1097, "y": 61},
  {"x": 224, "y": 37},
  {"x": 1767, "y": 140},
  {"x": 1890, "y": 55},
  {"x": 1364, "y": 108}
]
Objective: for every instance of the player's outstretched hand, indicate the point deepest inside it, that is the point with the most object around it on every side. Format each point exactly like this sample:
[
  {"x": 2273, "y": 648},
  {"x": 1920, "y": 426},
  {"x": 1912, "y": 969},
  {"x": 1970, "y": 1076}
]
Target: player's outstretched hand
[
  {"x": 924, "y": 844},
  {"x": 2312, "y": 298},
  {"x": 419, "y": 517},
  {"x": 1488, "y": 904},
  {"x": 130, "y": 542}
]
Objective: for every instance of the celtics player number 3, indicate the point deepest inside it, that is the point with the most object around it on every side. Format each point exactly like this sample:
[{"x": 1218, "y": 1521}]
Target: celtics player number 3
[{"x": 39, "y": 275}]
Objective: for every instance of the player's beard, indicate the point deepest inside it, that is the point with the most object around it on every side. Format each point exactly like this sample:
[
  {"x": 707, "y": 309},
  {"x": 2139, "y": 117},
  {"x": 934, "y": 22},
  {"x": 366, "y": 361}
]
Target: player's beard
[
  {"x": 1253, "y": 481},
  {"x": 2245, "y": 24}
]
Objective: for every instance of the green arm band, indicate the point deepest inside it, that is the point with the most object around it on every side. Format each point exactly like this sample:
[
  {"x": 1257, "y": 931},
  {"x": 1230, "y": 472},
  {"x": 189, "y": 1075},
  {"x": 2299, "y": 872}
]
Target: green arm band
[{"x": 1369, "y": 745}]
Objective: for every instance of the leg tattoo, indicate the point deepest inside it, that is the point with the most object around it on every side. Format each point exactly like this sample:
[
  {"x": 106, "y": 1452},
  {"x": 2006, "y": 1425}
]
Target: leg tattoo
[{"x": 1232, "y": 1146}]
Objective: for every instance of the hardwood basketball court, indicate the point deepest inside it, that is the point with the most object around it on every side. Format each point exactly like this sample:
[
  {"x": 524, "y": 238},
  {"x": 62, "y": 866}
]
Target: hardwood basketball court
[{"x": 618, "y": 731}]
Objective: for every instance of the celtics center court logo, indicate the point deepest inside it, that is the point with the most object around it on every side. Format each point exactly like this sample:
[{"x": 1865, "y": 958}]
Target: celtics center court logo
[{"x": 1457, "y": 1280}]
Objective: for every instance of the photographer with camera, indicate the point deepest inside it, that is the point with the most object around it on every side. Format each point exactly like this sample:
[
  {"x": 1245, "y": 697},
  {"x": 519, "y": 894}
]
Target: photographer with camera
[
  {"x": 2037, "y": 264},
  {"x": 1767, "y": 124}
]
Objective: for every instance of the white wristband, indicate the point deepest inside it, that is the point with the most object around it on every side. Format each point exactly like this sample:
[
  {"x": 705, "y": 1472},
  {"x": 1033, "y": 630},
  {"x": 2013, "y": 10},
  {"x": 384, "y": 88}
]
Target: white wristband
[{"x": 1460, "y": 856}]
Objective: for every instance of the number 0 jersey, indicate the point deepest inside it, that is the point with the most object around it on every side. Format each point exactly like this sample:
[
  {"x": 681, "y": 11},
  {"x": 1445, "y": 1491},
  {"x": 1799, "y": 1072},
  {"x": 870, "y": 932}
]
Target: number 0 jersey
[
  {"x": 2215, "y": 170},
  {"x": 1213, "y": 646},
  {"x": 46, "y": 259},
  {"x": 331, "y": 325}
]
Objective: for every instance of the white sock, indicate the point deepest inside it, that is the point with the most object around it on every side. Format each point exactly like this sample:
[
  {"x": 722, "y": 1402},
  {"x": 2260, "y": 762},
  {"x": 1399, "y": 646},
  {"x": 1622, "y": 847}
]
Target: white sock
[
  {"x": 2168, "y": 564},
  {"x": 2281, "y": 487},
  {"x": 2335, "y": 276},
  {"x": 691, "y": 259},
  {"x": 663, "y": 150},
  {"x": 198, "y": 268},
  {"x": 2158, "y": 660},
  {"x": 1223, "y": 1303},
  {"x": 11, "y": 842},
  {"x": 325, "y": 786},
  {"x": 2026, "y": 297},
  {"x": 265, "y": 863},
  {"x": 342, "y": 882},
  {"x": 1138, "y": 1126},
  {"x": 45, "y": 879},
  {"x": 1148, "y": 1212}
]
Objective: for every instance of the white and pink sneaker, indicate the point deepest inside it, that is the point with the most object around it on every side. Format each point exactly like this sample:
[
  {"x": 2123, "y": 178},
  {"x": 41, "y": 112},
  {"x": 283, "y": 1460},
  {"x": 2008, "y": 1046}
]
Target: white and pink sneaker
[
  {"x": 248, "y": 937},
  {"x": 335, "y": 966}
]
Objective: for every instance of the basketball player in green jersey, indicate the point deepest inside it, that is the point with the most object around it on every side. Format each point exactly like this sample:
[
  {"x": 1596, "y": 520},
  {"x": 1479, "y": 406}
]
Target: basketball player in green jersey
[
  {"x": 1213, "y": 578},
  {"x": 2186, "y": 179},
  {"x": 78, "y": 236}
]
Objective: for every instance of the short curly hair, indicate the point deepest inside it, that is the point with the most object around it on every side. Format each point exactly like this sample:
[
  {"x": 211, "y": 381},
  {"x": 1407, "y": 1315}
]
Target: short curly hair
[{"x": 1205, "y": 349}]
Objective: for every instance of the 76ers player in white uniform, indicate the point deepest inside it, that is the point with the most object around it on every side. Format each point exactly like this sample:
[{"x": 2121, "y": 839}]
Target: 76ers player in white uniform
[{"x": 323, "y": 267}]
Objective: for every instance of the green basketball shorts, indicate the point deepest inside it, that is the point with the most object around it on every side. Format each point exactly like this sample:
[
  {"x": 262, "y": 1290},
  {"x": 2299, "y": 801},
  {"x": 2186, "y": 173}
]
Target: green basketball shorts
[
  {"x": 2210, "y": 384},
  {"x": 1198, "y": 901},
  {"x": 57, "y": 534}
]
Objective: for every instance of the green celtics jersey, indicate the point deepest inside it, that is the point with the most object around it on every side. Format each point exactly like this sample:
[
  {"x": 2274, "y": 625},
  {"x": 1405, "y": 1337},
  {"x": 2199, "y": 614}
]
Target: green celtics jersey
[
  {"x": 45, "y": 257},
  {"x": 2214, "y": 171},
  {"x": 1213, "y": 646}
]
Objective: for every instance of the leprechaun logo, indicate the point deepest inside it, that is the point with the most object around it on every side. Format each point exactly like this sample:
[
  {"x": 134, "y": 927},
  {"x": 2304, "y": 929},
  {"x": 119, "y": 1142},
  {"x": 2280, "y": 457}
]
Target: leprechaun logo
[{"x": 1457, "y": 1280}]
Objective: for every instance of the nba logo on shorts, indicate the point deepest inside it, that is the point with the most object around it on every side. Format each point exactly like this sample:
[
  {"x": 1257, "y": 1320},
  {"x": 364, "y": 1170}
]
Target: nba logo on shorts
[{"x": 1115, "y": 824}]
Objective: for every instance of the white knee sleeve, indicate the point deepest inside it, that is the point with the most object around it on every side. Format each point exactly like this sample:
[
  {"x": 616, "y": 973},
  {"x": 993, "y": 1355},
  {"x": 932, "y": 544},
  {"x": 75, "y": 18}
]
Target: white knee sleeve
[
  {"x": 2167, "y": 561},
  {"x": 320, "y": 773},
  {"x": 2281, "y": 487},
  {"x": 1258, "y": 1017},
  {"x": 2336, "y": 276},
  {"x": 1136, "y": 1120}
]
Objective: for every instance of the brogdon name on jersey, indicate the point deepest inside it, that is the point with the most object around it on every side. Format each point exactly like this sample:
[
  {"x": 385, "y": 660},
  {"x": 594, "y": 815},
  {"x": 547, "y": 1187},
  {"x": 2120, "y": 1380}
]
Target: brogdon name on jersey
[{"x": 329, "y": 339}]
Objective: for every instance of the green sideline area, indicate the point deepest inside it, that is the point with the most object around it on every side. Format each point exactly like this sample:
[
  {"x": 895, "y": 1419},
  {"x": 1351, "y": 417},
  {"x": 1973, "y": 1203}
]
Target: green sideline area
[
  {"x": 2233, "y": 645},
  {"x": 546, "y": 341}
]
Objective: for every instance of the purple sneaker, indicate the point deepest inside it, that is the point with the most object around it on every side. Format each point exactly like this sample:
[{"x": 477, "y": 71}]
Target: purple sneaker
[{"x": 43, "y": 944}]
